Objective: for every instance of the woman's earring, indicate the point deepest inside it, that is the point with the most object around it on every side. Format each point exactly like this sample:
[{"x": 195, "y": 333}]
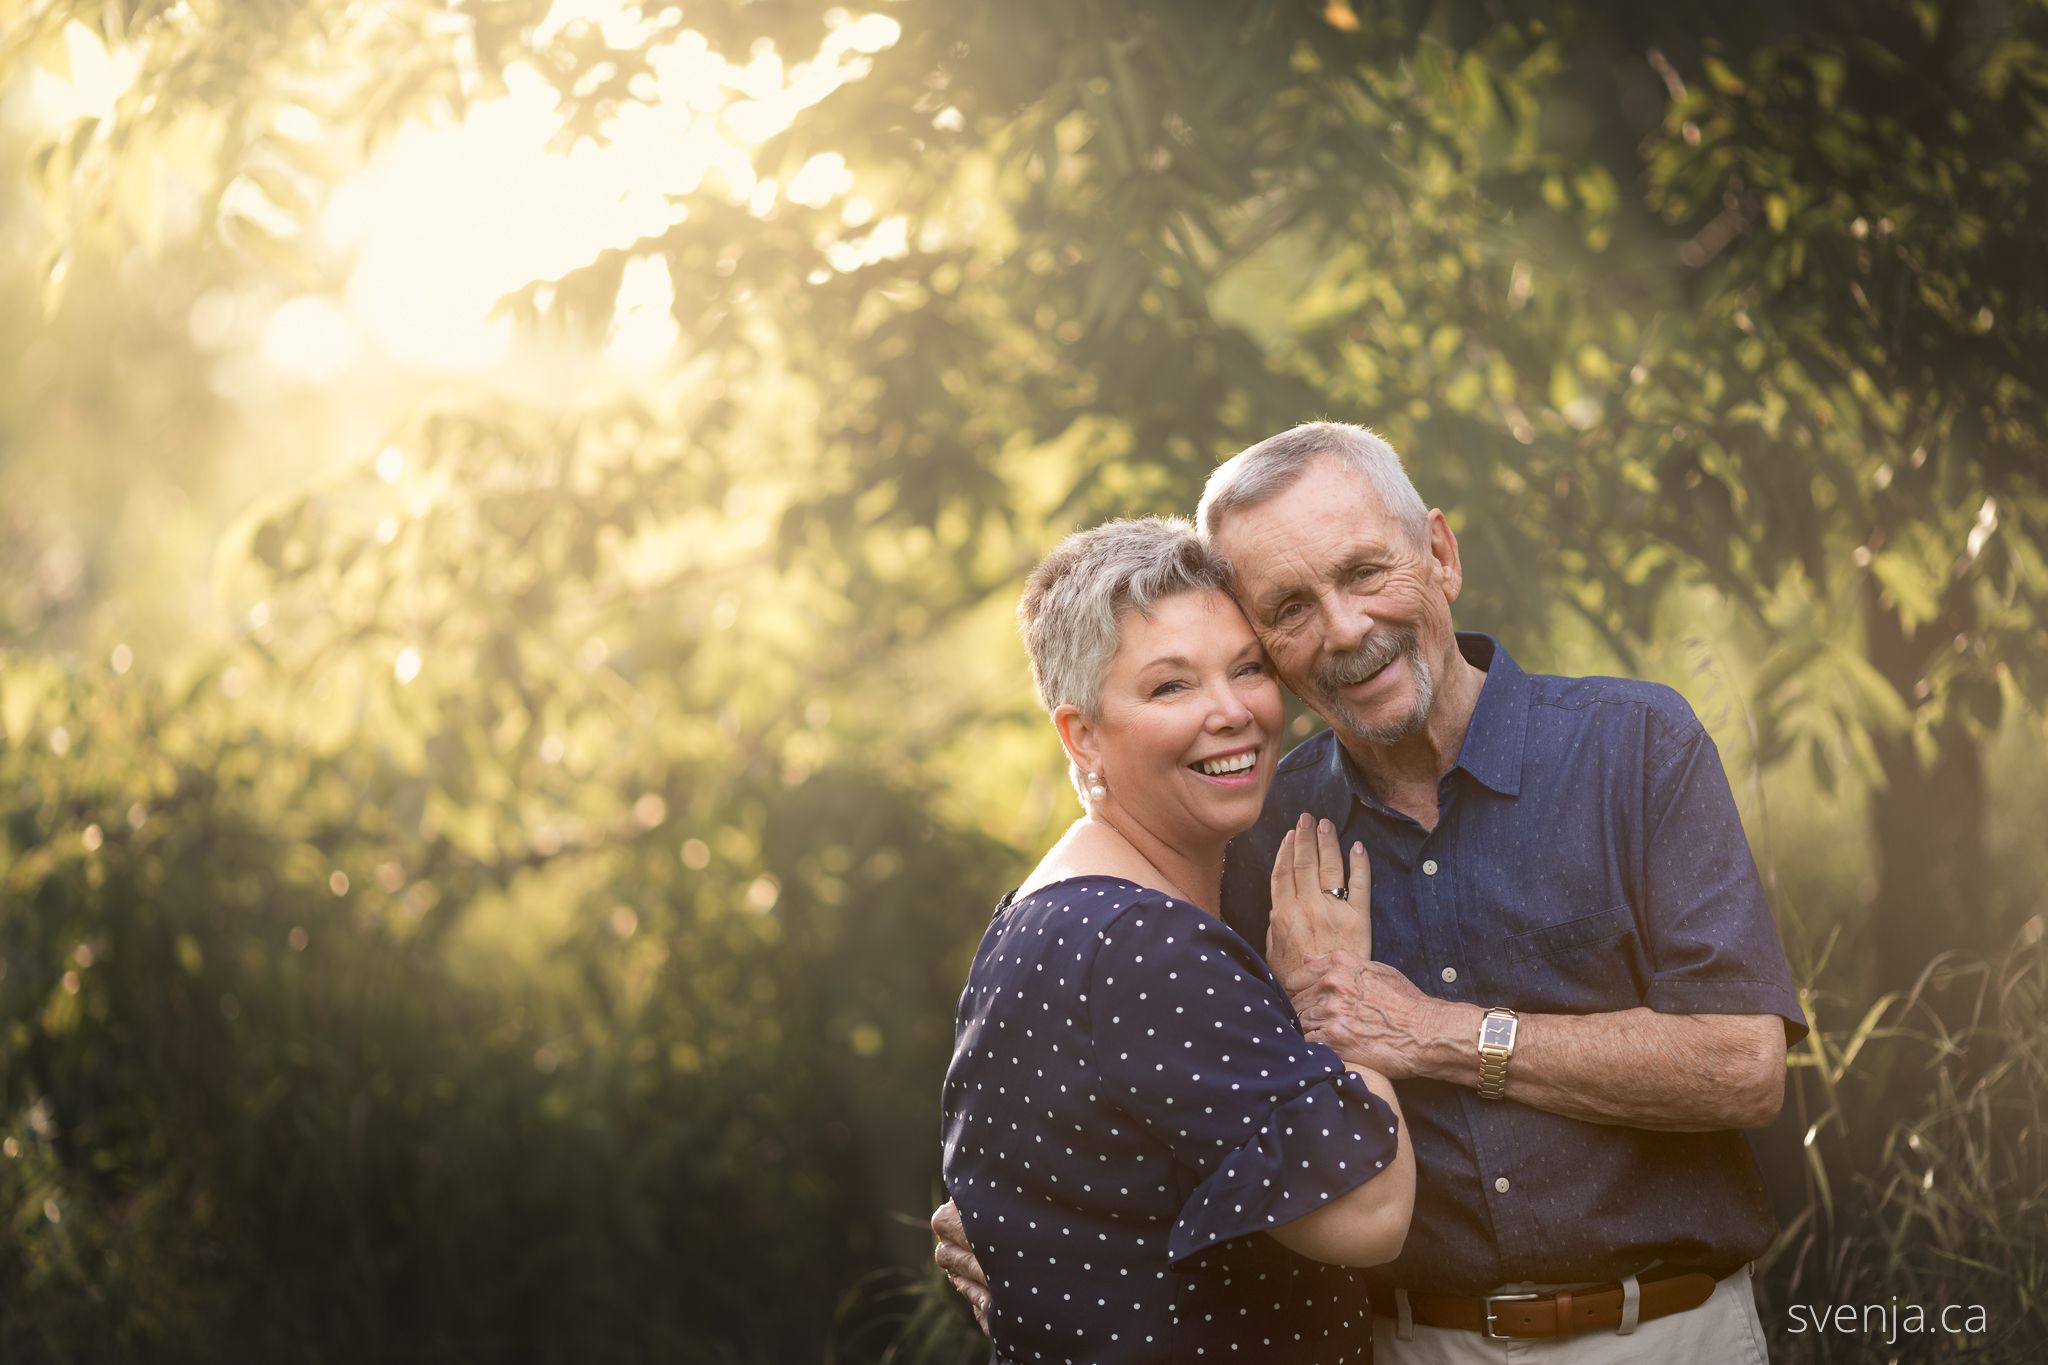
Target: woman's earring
[{"x": 1096, "y": 791}]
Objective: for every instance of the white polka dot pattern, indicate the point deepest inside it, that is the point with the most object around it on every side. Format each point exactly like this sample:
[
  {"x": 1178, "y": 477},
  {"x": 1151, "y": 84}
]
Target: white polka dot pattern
[{"x": 1130, "y": 1104}]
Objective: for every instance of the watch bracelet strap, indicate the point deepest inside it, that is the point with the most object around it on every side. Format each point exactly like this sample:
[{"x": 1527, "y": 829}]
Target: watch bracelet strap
[{"x": 1493, "y": 1073}]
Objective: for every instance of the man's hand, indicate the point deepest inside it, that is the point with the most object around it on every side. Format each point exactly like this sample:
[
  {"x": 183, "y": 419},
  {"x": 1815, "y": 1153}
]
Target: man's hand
[
  {"x": 1307, "y": 920},
  {"x": 1370, "y": 1014},
  {"x": 956, "y": 1258}
]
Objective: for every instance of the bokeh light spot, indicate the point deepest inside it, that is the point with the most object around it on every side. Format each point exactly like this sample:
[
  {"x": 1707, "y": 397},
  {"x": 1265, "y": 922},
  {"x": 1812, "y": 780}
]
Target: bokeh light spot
[
  {"x": 310, "y": 338},
  {"x": 819, "y": 181},
  {"x": 644, "y": 331}
]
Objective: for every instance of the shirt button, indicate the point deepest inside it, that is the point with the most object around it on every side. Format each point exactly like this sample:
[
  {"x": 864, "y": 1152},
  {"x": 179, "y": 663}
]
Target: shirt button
[
  {"x": 1450, "y": 974},
  {"x": 1429, "y": 867},
  {"x": 1501, "y": 1183}
]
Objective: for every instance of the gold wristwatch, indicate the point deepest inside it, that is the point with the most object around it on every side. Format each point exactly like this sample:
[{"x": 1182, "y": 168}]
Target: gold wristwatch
[{"x": 1496, "y": 1045}]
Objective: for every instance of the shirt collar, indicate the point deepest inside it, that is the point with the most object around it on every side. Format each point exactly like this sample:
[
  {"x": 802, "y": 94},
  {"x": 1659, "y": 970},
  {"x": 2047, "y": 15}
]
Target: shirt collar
[{"x": 1492, "y": 751}]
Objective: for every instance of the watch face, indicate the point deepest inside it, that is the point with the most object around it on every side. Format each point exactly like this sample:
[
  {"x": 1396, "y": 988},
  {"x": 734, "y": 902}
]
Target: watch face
[{"x": 1497, "y": 1033}]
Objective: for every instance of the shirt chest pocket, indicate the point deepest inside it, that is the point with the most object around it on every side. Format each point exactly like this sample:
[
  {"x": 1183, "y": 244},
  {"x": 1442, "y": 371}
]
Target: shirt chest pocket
[{"x": 1586, "y": 965}]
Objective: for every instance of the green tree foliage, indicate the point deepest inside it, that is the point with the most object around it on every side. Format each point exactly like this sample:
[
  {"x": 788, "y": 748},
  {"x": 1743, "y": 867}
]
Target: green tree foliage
[
  {"x": 532, "y": 928},
  {"x": 501, "y": 910}
]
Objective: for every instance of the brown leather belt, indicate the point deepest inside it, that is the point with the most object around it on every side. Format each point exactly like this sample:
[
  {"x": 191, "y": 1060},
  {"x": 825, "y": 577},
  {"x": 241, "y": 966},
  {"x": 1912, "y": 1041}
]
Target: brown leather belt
[{"x": 1561, "y": 1313}]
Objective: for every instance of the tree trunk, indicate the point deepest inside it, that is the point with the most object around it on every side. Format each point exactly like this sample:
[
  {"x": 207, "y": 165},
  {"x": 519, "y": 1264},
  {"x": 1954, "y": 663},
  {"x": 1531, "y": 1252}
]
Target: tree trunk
[{"x": 1932, "y": 890}]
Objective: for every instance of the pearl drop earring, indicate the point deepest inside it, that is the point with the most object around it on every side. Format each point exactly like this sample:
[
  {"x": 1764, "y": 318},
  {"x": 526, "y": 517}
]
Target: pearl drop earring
[{"x": 1096, "y": 791}]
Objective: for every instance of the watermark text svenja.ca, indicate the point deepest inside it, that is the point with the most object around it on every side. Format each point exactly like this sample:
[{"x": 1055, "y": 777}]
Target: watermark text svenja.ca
[{"x": 1891, "y": 1321}]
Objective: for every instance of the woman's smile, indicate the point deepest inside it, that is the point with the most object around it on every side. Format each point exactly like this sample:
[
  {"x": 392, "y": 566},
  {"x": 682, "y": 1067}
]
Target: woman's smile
[{"x": 1232, "y": 768}]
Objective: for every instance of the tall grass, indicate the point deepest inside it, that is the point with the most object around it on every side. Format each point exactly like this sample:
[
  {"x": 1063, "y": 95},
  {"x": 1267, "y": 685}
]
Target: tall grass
[{"x": 1926, "y": 1168}]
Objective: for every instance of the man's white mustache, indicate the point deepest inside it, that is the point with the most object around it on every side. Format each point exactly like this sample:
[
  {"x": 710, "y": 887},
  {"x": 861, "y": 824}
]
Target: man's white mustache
[{"x": 1369, "y": 658}]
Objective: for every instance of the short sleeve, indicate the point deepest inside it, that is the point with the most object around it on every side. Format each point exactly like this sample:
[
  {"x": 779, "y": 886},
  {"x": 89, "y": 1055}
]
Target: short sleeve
[
  {"x": 1713, "y": 944},
  {"x": 1195, "y": 1040}
]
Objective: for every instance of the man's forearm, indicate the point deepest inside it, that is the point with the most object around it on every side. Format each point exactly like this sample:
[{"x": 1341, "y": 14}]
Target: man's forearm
[{"x": 1638, "y": 1068}]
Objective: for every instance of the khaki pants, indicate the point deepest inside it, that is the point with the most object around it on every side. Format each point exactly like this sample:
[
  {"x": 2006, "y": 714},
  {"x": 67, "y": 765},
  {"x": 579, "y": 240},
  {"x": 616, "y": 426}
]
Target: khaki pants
[{"x": 1722, "y": 1331}]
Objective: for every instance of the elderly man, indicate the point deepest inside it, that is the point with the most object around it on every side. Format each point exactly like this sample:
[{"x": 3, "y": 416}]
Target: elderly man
[{"x": 1573, "y": 977}]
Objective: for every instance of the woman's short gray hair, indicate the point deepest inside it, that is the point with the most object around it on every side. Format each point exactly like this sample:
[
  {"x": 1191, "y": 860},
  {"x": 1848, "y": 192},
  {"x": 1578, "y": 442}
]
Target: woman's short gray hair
[
  {"x": 1269, "y": 468},
  {"x": 1073, "y": 606}
]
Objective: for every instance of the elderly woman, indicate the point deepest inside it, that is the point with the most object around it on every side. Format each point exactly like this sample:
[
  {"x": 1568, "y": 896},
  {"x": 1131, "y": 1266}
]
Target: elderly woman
[{"x": 1151, "y": 1163}]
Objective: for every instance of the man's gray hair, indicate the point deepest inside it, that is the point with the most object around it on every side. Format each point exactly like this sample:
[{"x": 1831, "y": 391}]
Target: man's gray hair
[
  {"x": 1268, "y": 469},
  {"x": 1075, "y": 601}
]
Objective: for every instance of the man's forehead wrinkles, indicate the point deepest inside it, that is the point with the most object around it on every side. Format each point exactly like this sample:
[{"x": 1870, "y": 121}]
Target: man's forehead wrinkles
[
  {"x": 1275, "y": 557},
  {"x": 1290, "y": 567}
]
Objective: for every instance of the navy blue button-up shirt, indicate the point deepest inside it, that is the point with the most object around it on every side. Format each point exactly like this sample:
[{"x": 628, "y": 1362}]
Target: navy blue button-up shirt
[{"x": 1587, "y": 858}]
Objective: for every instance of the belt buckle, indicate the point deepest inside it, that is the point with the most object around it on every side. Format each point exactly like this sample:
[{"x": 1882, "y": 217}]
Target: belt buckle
[{"x": 1489, "y": 1300}]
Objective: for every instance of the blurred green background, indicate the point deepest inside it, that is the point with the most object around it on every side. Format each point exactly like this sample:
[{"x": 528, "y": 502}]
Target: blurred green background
[{"x": 510, "y": 511}]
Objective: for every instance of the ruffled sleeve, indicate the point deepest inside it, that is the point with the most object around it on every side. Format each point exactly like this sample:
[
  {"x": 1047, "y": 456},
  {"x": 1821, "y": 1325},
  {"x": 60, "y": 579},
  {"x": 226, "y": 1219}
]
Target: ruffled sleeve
[{"x": 1196, "y": 1040}]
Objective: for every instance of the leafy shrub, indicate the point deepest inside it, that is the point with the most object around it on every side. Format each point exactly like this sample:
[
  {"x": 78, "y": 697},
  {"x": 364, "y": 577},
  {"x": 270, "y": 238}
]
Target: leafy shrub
[{"x": 256, "y": 1106}]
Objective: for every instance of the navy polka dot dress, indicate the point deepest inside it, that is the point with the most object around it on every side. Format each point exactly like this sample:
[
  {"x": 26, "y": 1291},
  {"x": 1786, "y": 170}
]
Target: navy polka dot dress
[{"x": 1130, "y": 1106}]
